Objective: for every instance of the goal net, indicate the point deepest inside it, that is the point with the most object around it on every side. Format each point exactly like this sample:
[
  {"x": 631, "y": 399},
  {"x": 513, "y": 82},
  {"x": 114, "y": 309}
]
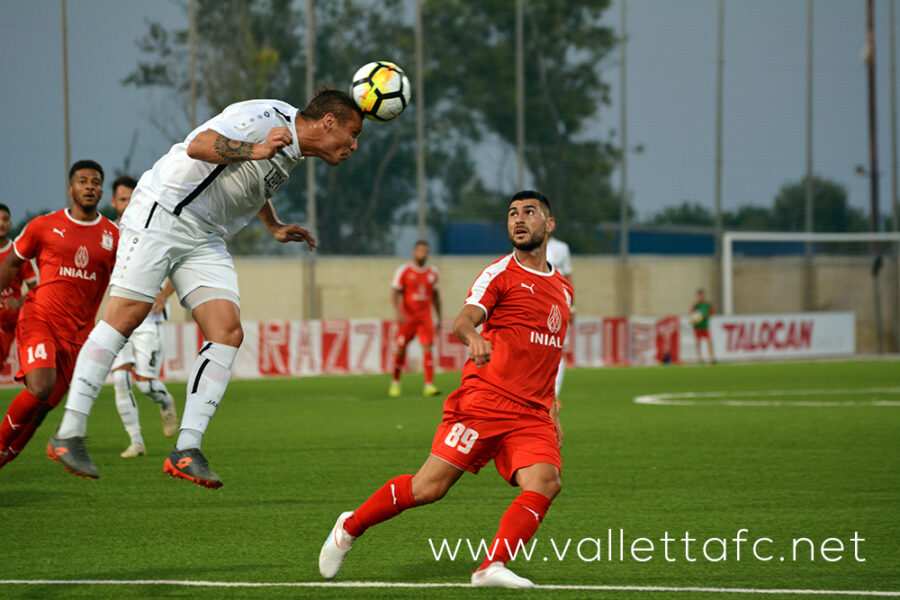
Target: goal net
[{"x": 780, "y": 272}]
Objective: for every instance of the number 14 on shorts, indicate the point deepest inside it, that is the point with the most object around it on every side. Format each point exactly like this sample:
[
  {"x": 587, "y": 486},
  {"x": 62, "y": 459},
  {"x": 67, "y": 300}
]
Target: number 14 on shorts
[
  {"x": 38, "y": 351},
  {"x": 461, "y": 437}
]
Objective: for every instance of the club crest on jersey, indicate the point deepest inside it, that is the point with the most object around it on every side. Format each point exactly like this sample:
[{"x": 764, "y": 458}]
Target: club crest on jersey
[
  {"x": 554, "y": 319},
  {"x": 107, "y": 241},
  {"x": 82, "y": 258},
  {"x": 554, "y": 323}
]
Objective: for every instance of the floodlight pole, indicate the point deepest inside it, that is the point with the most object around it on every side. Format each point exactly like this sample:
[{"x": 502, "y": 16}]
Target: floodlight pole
[
  {"x": 623, "y": 193},
  {"x": 894, "y": 191},
  {"x": 420, "y": 125},
  {"x": 873, "y": 162},
  {"x": 192, "y": 63},
  {"x": 809, "y": 296},
  {"x": 520, "y": 94},
  {"x": 65, "y": 73},
  {"x": 720, "y": 61},
  {"x": 312, "y": 224}
]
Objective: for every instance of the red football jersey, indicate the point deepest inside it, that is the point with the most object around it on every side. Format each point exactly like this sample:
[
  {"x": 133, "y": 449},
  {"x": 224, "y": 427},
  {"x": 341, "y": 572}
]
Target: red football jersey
[
  {"x": 74, "y": 260},
  {"x": 527, "y": 316},
  {"x": 8, "y": 318},
  {"x": 418, "y": 285}
]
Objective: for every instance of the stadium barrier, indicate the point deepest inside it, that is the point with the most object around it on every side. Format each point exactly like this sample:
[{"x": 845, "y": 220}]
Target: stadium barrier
[{"x": 355, "y": 346}]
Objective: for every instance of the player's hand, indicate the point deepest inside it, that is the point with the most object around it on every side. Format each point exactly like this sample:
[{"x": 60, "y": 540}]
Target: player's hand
[
  {"x": 480, "y": 351},
  {"x": 293, "y": 233},
  {"x": 559, "y": 434},
  {"x": 278, "y": 138},
  {"x": 159, "y": 305}
]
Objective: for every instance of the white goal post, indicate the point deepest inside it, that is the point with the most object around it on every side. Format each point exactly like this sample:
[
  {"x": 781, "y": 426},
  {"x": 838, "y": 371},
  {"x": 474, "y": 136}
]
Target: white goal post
[{"x": 729, "y": 237}]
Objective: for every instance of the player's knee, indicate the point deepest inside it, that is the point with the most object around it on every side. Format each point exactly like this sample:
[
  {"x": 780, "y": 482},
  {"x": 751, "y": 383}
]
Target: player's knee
[
  {"x": 552, "y": 488},
  {"x": 41, "y": 388},
  {"x": 428, "y": 492},
  {"x": 232, "y": 337}
]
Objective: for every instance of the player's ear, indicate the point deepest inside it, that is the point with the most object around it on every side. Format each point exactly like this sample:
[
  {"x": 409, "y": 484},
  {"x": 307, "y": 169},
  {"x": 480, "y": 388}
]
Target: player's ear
[
  {"x": 551, "y": 224},
  {"x": 329, "y": 121}
]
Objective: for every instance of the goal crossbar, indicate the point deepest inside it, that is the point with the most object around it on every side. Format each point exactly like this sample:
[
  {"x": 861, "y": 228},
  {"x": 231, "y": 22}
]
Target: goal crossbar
[{"x": 729, "y": 237}]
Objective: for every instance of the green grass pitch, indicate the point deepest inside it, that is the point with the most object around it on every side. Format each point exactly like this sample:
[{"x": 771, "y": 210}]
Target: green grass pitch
[{"x": 294, "y": 453}]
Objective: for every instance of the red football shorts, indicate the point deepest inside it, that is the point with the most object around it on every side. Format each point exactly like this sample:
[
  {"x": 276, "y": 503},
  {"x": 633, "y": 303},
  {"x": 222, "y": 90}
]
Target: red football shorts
[
  {"x": 479, "y": 426},
  {"x": 701, "y": 334},
  {"x": 423, "y": 327},
  {"x": 39, "y": 348}
]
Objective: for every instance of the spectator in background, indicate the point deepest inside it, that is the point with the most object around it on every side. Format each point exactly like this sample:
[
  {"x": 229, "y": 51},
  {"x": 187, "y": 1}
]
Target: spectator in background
[
  {"x": 700, "y": 314},
  {"x": 560, "y": 257}
]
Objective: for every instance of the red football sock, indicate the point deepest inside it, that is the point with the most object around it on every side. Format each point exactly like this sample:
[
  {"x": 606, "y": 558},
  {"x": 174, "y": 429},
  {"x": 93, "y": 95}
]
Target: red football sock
[
  {"x": 390, "y": 500},
  {"x": 517, "y": 525},
  {"x": 21, "y": 412},
  {"x": 428, "y": 365}
]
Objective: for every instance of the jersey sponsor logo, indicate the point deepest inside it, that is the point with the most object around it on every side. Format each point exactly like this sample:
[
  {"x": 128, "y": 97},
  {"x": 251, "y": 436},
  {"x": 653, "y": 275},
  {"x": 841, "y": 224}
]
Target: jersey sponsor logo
[
  {"x": 546, "y": 339},
  {"x": 82, "y": 258},
  {"x": 77, "y": 273},
  {"x": 554, "y": 319},
  {"x": 530, "y": 288},
  {"x": 61, "y": 232},
  {"x": 107, "y": 242},
  {"x": 273, "y": 180}
]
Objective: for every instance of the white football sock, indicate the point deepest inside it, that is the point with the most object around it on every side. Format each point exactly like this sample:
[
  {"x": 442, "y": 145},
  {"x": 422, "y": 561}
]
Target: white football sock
[
  {"x": 125, "y": 404},
  {"x": 206, "y": 386},
  {"x": 91, "y": 368},
  {"x": 156, "y": 391}
]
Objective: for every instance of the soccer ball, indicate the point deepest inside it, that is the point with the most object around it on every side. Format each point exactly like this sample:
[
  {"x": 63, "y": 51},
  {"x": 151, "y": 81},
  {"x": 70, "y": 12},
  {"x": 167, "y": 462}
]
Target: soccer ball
[
  {"x": 697, "y": 316},
  {"x": 381, "y": 90}
]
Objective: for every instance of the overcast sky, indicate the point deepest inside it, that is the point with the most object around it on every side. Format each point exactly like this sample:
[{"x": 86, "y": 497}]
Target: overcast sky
[{"x": 671, "y": 97}]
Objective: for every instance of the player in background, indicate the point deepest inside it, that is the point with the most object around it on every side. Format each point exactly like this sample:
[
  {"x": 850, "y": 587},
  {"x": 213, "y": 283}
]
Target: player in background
[
  {"x": 206, "y": 187},
  {"x": 560, "y": 257},
  {"x": 12, "y": 297},
  {"x": 75, "y": 250},
  {"x": 414, "y": 292},
  {"x": 142, "y": 354},
  {"x": 504, "y": 411},
  {"x": 700, "y": 313}
]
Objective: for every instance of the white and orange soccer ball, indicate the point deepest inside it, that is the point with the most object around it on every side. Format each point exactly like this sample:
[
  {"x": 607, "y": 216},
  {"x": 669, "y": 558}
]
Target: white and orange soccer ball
[{"x": 381, "y": 90}]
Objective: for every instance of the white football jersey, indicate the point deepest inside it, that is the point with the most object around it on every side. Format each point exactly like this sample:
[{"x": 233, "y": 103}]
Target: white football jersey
[
  {"x": 559, "y": 256},
  {"x": 226, "y": 196}
]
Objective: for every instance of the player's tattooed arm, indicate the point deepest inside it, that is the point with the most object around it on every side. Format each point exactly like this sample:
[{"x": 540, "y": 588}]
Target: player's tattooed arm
[
  {"x": 233, "y": 150},
  {"x": 213, "y": 147}
]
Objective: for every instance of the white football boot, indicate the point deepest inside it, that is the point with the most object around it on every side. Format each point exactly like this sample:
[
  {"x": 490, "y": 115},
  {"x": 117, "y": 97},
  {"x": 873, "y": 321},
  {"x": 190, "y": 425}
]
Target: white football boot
[
  {"x": 497, "y": 575},
  {"x": 133, "y": 450},
  {"x": 335, "y": 548}
]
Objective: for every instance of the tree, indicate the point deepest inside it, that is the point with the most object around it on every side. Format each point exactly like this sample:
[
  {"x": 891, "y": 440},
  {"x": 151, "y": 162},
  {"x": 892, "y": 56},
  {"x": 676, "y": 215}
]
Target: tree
[
  {"x": 831, "y": 211},
  {"x": 564, "y": 44},
  {"x": 686, "y": 213},
  {"x": 254, "y": 48}
]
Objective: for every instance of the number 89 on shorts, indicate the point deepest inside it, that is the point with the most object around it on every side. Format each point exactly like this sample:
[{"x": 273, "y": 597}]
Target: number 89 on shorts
[{"x": 461, "y": 437}]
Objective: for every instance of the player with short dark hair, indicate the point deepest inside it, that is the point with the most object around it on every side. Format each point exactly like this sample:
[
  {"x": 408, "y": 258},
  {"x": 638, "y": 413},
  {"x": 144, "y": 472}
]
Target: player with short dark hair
[
  {"x": 414, "y": 290},
  {"x": 75, "y": 250},
  {"x": 506, "y": 408},
  {"x": 206, "y": 187}
]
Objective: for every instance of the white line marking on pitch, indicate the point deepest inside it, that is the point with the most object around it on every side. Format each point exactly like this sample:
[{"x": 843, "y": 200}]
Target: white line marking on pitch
[
  {"x": 721, "y": 398},
  {"x": 393, "y": 584}
]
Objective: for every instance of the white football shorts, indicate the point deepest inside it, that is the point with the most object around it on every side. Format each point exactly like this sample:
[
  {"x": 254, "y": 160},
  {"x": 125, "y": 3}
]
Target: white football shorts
[
  {"x": 155, "y": 244},
  {"x": 143, "y": 350}
]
